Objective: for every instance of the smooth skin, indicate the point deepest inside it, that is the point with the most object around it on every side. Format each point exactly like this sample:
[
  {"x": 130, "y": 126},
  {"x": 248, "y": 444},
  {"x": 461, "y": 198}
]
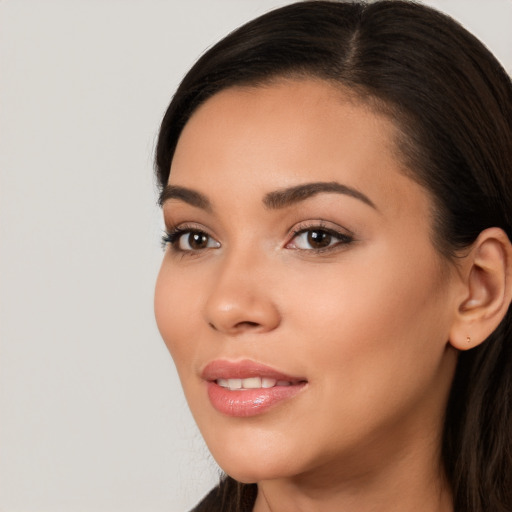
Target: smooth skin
[{"x": 341, "y": 287}]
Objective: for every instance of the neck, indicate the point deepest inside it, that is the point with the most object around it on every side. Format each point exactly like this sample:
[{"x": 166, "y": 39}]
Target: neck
[{"x": 401, "y": 483}]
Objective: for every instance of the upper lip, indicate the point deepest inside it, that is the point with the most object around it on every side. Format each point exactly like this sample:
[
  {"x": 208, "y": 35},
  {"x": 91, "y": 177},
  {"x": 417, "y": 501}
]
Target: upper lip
[{"x": 224, "y": 369}]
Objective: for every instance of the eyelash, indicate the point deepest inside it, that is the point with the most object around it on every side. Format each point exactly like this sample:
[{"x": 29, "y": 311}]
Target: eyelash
[{"x": 173, "y": 236}]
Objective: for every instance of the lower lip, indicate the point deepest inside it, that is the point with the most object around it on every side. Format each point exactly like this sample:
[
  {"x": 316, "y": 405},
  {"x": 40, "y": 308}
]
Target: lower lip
[{"x": 249, "y": 402}]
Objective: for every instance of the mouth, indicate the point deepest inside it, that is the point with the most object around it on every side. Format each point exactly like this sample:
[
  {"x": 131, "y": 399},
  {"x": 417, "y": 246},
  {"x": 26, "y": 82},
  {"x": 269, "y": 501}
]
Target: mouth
[
  {"x": 246, "y": 388},
  {"x": 252, "y": 383}
]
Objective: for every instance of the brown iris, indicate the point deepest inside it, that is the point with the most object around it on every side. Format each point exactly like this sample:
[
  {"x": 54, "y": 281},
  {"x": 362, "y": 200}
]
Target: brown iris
[
  {"x": 319, "y": 239},
  {"x": 197, "y": 240}
]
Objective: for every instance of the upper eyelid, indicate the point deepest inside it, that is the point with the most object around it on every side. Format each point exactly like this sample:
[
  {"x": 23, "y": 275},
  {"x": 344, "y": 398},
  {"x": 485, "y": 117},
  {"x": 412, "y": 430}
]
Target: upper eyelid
[
  {"x": 181, "y": 228},
  {"x": 188, "y": 226},
  {"x": 334, "y": 233},
  {"x": 320, "y": 224}
]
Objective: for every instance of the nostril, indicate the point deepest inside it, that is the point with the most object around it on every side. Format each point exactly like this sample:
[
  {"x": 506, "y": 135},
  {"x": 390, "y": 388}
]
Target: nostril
[
  {"x": 238, "y": 327},
  {"x": 247, "y": 324}
]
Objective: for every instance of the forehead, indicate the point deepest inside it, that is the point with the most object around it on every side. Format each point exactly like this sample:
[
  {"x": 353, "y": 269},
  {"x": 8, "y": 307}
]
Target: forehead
[
  {"x": 257, "y": 139},
  {"x": 315, "y": 102},
  {"x": 286, "y": 114}
]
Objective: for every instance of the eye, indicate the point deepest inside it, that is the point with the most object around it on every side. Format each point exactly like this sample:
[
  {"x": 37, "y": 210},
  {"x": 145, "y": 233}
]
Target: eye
[
  {"x": 188, "y": 240},
  {"x": 318, "y": 239}
]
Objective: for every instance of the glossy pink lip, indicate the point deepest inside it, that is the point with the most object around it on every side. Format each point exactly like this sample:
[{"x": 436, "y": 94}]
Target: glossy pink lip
[
  {"x": 247, "y": 402},
  {"x": 223, "y": 369}
]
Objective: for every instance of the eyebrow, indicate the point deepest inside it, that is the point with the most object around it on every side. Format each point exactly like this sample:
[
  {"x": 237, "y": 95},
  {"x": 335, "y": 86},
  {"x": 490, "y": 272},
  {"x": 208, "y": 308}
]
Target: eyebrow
[
  {"x": 187, "y": 195},
  {"x": 292, "y": 195},
  {"x": 273, "y": 200}
]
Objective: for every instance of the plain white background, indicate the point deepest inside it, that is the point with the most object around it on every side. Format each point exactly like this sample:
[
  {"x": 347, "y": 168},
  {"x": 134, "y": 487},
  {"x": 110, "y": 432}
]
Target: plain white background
[{"x": 92, "y": 417}]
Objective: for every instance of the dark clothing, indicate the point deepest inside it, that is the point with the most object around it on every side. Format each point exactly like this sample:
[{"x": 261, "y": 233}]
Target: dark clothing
[{"x": 229, "y": 496}]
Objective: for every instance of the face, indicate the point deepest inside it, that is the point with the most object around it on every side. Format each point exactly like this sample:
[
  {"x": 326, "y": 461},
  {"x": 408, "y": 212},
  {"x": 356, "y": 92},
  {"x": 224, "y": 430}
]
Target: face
[{"x": 300, "y": 294}]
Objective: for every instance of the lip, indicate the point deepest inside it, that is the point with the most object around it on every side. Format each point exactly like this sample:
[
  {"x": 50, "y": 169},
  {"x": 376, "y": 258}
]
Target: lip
[{"x": 247, "y": 402}]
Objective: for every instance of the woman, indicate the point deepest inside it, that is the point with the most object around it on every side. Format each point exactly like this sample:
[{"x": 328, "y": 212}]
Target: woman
[{"x": 336, "y": 186}]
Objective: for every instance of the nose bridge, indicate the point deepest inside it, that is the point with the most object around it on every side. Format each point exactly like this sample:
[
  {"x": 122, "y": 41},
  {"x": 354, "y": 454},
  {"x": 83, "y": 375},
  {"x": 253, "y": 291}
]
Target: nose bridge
[{"x": 241, "y": 298}]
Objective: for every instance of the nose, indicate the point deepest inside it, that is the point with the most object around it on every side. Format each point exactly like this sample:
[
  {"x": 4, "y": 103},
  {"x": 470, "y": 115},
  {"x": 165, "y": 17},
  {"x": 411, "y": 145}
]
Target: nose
[{"x": 240, "y": 299}]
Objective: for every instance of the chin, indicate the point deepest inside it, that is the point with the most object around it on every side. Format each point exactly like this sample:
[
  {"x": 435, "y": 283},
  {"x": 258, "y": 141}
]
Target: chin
[
  {"x": 251, "y": 471},
  {"x": 267, "y": 446},
  {"x": 251, "y": 459}
]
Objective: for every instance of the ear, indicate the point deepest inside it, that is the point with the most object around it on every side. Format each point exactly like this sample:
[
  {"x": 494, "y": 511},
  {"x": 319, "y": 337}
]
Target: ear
[{"x": 487, "y": 289}]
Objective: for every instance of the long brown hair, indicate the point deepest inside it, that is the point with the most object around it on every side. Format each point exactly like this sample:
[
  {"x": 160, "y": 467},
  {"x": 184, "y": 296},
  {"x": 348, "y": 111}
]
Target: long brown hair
[{"x": 452, "y": 102}]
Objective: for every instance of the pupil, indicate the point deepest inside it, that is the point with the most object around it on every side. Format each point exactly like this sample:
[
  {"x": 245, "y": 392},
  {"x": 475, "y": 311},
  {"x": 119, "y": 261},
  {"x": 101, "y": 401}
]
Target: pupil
[
  {"x": 319, "y": 239},
  {"x": 198, "y": 240}
]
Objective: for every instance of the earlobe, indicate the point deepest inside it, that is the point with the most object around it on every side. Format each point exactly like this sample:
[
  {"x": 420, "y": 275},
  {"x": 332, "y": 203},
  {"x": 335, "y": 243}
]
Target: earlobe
[{"x": 488, "y": 289}]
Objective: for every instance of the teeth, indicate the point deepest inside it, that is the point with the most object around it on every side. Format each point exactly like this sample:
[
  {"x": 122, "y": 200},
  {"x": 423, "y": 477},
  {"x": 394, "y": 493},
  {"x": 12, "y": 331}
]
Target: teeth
[
  {"x": 234, "y": 383},
  {"x": 251, "y": 383},
  {"x": 268, "y": 383}
]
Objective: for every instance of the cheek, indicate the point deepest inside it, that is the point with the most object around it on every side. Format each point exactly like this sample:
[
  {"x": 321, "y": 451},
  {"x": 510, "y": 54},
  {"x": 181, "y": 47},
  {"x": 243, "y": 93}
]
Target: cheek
[
  {"x": 175, "y": 305},
  {"x": 376, "y": 317},
  {"x": 373, "y": 343}
]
